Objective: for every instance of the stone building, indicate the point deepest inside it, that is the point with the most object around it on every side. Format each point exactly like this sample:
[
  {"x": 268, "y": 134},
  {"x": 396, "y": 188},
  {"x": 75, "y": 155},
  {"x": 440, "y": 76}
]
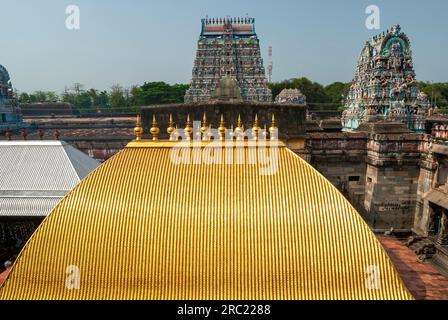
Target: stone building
[
  {"x": 396, "y": 179},
  {"x": 10, "y": 115},
  {"x": 228, "y": 47},
  {"x": 47, "y": 109},
  {"x": 431, "y": 215},
  {"x": 384, "y": 86},
  {"x": 291, "y": 96}
]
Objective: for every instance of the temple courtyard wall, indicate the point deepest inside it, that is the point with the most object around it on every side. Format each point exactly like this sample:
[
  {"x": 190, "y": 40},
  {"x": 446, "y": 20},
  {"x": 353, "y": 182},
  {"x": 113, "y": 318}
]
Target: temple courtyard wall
[{"x": 377, "y": 170}]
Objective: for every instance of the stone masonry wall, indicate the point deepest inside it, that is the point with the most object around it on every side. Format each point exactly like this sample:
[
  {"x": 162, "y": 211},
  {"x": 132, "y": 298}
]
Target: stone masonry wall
[
  {"x": 422, "y": 209},
  {"x": 340, "y": 157},
  {"x": 392, "y": 179},
  {"x": 390, "y": 196}
]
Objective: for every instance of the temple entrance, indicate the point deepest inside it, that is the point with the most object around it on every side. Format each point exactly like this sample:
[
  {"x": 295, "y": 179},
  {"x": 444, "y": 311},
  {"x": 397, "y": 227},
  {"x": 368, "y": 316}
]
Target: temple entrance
[{"x": 439, "y": 224}]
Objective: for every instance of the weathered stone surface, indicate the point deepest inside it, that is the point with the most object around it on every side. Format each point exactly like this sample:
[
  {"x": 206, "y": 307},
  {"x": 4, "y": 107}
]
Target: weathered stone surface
[
  {"x": 431, "y": 213},
  {"x": 383, "y": 127},
  {"x": 390, "y": 197},
  {"x": 340, "y": 157}
]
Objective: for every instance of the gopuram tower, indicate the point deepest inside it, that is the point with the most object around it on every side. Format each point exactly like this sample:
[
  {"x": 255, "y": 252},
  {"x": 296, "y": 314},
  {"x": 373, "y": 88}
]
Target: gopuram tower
[
  {"x": 228, "y": 48},
  {"x": 384, "y": 87},
  {"x": 10, "y": 115}
]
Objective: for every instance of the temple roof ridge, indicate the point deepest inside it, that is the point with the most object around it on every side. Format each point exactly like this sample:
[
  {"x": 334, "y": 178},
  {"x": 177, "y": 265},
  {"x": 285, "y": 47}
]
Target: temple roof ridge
[
  {"x": 232, "y": 20},
  {"x": 395, "y": 30},
  {"x": 4, "y": 74}
]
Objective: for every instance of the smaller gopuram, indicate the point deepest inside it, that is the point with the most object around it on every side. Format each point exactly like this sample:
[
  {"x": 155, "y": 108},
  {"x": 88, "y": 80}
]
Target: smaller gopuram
[
  {"x": 228, "y": 47},
  {"x": 10, "y": 115},
  {"x": 384, "y": 87},
  {"x": 294, "y": 96}
]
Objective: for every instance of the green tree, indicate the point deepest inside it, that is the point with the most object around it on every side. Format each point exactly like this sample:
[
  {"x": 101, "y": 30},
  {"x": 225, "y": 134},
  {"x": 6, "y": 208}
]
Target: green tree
[
  {"x": 51, "y": 96},
  {"x": 336, "y": 92},
  {"x": 118, "y": 101},
  {"x": 79, "y": 98},
  {"x": 102, "y": 101},
  {"x": 158, "y": 93},
  {"x": 24, "y": 98},
  {"x": 39, "y": 96},
  {"x": 314, "y": 92},
  {"x": 437, "y": 93}
]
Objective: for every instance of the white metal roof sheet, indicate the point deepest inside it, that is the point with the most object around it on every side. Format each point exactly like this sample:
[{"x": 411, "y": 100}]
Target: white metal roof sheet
[
  {"x": 36, "y": 173},
  {"x": 27, "y": 206}
]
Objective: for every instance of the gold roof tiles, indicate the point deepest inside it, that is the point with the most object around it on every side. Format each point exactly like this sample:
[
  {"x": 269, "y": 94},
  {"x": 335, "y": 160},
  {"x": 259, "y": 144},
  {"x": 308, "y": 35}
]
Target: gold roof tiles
[{"x": 143, "y": 227}]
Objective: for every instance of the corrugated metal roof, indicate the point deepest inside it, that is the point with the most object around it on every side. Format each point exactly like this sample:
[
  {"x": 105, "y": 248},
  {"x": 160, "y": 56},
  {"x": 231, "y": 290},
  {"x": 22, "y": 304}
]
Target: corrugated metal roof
[
  {"x": 42, "y": 166},
  {"x": 82, "y": 164},
  {"x": 143, "y": 227},
  {"x": 36, "y": 170},
  {"x": 27, "y": 206}
]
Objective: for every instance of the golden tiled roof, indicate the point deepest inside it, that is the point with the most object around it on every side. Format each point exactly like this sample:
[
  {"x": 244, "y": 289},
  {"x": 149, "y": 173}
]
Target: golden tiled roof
[{"x": 144, "y": 227}]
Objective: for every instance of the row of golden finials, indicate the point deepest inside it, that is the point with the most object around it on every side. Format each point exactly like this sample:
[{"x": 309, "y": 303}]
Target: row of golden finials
[{"x": 205, "y": 131}]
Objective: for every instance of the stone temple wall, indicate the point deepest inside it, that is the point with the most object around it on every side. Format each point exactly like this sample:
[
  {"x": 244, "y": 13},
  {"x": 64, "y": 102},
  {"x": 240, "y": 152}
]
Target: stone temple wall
[
  {"x": 393, "y": 156},
  {"x": 428, "y": 173},
  {"x": 390, "y": 197},
  {"x": 340, "y": 157},
  {"x": 377, "y": 169},
  {"x": 431, "y": 212}
]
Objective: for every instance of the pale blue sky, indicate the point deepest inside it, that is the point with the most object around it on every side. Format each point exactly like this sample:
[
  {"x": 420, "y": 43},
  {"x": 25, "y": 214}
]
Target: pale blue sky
[{"x": 129, "y": 42}]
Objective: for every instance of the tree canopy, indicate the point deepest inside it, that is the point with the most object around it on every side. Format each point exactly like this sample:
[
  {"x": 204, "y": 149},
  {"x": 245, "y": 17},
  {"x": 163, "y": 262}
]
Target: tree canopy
[
  {"x": 119, "y": 99},
  {"x": 318, "y": 96},
  {"x": 437, "y": 93},
  {"x": 115, "y": 100}
]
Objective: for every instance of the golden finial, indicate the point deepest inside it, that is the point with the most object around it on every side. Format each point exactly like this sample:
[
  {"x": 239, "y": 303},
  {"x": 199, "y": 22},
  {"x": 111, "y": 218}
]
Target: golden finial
[
  {"x": 273, "y": 130},
  {"x": 204, "y": 127},
  {"x": 239, "y": 129},
  {"x": 176, "y": 134},
  {"x": 265, "y": 133},
  {"x": 198, "y": 132},
  {"x": 255, "y": 128},
  {"x": 239, "y": 124},
  {"x": 188, "y": 128},
  {"x": 154, "y": 129},
  {"x": 170, "y": 130},
  {"x": 138, "y": 130},
  {"x": 205, "y": 134},
  {"x": 222, "y": 129},
  {"x": 204, "y": 123},
  {"x": 209, "y": 133}
]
